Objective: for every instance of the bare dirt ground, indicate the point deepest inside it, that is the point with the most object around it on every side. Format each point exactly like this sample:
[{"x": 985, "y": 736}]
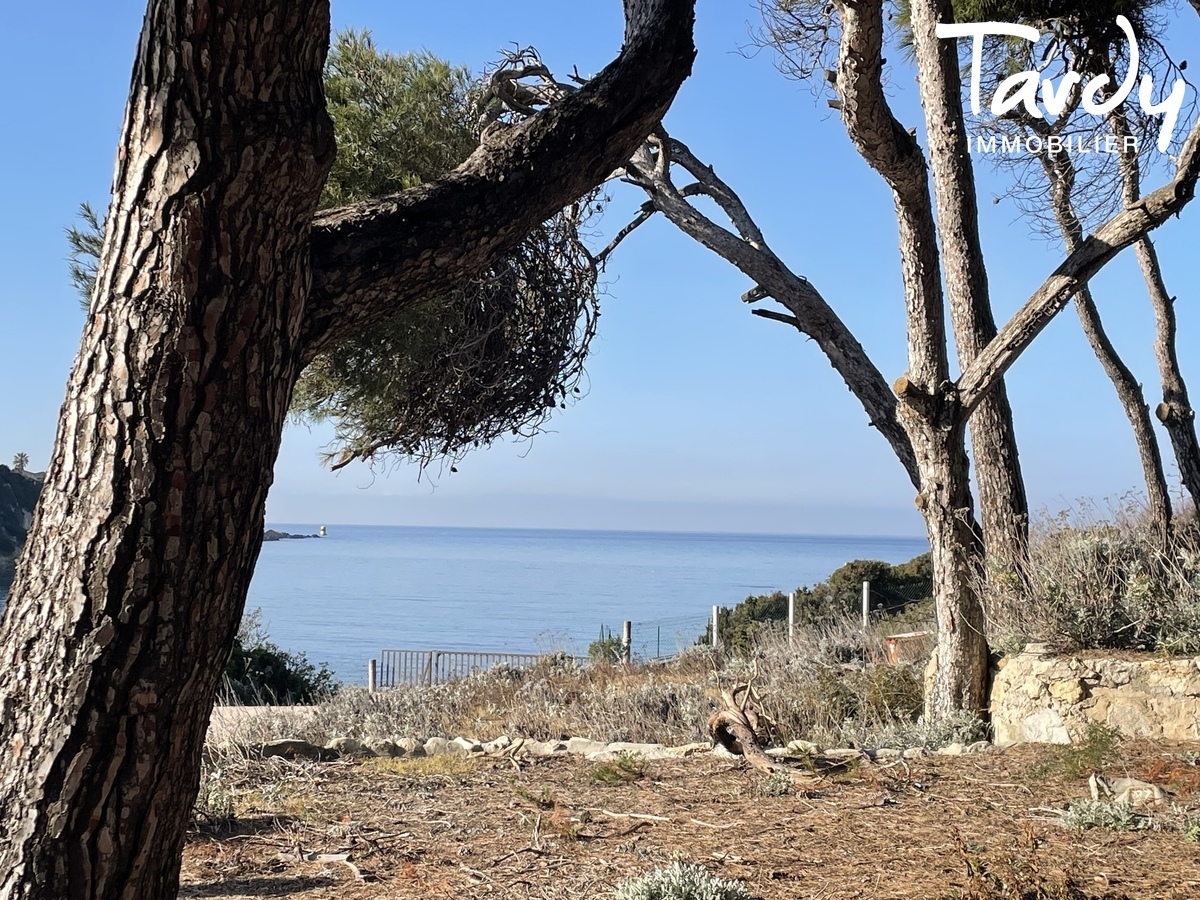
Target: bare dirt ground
[{"x": 980, "y": 826}]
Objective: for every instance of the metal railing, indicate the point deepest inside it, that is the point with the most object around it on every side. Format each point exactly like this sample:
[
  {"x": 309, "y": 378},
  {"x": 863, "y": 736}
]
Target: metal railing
[{"x": 398, "y": 667}]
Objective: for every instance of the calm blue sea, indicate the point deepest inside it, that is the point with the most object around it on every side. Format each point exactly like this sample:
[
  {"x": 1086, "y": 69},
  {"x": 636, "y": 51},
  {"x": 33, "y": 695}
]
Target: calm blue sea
[{"x": 343, "y": 598}]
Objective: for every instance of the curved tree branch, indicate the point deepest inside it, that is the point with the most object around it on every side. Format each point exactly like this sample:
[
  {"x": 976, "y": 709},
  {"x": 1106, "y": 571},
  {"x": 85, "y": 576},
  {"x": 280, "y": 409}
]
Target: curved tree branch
[
  {"x": 1077, "y": 269},
  {"x": 371, "y": 259},
  {"x": 748, "y": 250}
]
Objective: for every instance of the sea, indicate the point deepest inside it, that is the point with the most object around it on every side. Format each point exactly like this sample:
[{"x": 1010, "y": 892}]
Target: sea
[
  {"x": 343, "y": 598},
  {"x": 361, "y": 589}
]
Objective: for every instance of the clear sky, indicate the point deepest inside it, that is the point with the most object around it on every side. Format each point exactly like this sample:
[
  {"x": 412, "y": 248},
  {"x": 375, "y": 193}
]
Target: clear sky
[{"x": 698, "y": 415}]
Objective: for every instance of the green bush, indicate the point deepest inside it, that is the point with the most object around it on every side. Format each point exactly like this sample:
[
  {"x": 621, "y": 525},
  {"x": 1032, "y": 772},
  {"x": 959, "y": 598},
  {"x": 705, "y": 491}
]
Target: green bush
[
  {"x": 606, "y": 649},
  {"x": 259, "y": 672},
  {"x": 893, "y": 588},
  {"x": 1086, "y": 814}
]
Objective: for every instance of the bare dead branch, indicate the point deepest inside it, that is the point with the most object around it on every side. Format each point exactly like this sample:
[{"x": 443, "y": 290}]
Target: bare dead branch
[
  {"x": 643, "y": 216},
  {"x": 777, "y": 317},
  {"x": 814, "y": 316}
]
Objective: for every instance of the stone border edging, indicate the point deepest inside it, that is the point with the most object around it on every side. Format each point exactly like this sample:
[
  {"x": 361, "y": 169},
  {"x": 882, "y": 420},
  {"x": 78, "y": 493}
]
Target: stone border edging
[{"x": 597, "y": 751}]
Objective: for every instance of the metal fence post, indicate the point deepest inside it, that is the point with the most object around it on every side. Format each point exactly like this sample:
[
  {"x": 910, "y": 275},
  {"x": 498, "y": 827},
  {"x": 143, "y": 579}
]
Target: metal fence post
[
  {"x": 791, "y": 618},
  {"x": 627, "y": 641},
  {"x": 866, "y": 605},
  {"x": 716, "y": 634},
  {"x": 372, "y": 680}
]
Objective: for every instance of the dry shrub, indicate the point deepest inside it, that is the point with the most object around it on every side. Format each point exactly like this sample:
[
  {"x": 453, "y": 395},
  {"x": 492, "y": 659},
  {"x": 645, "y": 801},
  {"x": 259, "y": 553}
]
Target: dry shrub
[
  {"x": 825, "y": 686},
  {"x": 553, "y": 700},
  {"x": 1021, "y": 872},
  {"x": 1111, "y": 583}
]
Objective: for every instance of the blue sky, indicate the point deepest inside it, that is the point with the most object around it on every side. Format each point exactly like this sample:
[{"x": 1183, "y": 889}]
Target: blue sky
[{"x": 698, "y": 415}]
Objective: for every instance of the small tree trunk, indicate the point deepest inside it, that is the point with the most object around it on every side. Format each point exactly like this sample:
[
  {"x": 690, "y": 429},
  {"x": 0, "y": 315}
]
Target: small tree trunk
[
  {"x": 132, "y": 584},
  {"x": 1175, "y": 412},
  {"x": 1061, "y": 173},
  {"x": 1003, "y": 506},
  {"x": 1129, "y": 392}
]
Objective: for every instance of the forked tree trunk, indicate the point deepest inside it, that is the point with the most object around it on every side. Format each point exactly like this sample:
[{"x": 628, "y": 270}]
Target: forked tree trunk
[
  {"x": 152, "y": 514},
  {"x": 928, "y": 407},
  {"x": 935, "y": 424},
  {"x": 1003, "y": 505}
]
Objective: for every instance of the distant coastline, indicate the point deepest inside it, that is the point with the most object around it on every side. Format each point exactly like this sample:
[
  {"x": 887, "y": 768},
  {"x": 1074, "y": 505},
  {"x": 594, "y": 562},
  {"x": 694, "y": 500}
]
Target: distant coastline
[{"x": 272, "y": 535}]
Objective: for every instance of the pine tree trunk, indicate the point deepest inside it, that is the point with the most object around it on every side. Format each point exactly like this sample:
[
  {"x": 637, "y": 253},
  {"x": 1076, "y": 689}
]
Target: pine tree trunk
[
  {"x": 1129, "y": 392},
  {"x": 928, "y": 408},
  {"x": 934, "y": 423},
  {"x": 1175, "y": 412},
  {"x": 1003, "y": 505},
  {"x": 1061, "y": 174},
  {"x": 152, "y": 514}
]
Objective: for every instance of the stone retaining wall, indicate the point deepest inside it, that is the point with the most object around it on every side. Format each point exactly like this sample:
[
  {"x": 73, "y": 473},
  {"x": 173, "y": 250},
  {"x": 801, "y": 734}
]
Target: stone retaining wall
[{"x": 1041, "y": 698}]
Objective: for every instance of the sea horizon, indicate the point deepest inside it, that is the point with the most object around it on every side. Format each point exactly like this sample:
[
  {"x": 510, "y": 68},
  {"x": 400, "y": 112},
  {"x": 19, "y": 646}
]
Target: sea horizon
[{"x": 363, "y": 588}]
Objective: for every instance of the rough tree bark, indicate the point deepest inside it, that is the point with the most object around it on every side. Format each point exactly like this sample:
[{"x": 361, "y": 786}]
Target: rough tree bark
[
  {"x": 1060, "y": 172},
  {"x": 134, "y": 575},
  {"x": 928, "y": 406},
  {"x": 1175, "y": 412},
  {"x": 1003, "y": 505}
]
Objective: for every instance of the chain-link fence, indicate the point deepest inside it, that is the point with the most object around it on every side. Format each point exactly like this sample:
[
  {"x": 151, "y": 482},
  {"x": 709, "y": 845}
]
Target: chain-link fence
[{"x": 653, "y": 639}]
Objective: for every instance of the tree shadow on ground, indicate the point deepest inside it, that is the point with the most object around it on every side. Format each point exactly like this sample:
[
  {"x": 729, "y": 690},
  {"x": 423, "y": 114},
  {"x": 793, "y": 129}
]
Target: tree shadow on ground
[{"x": 283, "y": 886}]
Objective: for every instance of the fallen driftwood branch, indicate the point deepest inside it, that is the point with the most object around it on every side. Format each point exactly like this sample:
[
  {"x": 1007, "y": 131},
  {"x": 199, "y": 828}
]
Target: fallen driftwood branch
[
  {"x": 646, "y": 819},
  {"x": 740, "y": 729},
  {"x": 642, "y": 816}
]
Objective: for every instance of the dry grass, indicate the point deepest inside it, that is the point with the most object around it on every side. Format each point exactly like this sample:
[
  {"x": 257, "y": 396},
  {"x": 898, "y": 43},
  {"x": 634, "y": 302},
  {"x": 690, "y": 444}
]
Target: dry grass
[
  {"x": 982, "y": 827},
  {"x": 824, "y": 688},
  {"x": 1098, "y": 581}
]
